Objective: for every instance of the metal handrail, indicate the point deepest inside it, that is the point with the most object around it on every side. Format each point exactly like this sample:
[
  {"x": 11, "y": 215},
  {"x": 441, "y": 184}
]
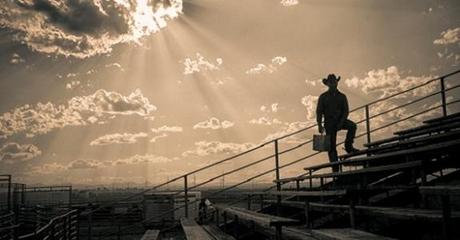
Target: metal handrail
[{"x": 275, "y": 140}]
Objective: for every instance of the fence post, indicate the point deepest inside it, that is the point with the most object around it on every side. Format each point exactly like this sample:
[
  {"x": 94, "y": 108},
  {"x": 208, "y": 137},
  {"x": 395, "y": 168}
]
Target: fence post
[
  {"x": 443, "y": 97},
  {"x": 277, "y": 171},
  {"x": 186, "y": 195},
  {"x": 368, "y": 124}
]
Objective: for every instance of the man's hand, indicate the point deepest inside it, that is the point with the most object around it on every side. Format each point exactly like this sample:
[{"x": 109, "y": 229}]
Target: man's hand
[{"x": 320, "y": 128}]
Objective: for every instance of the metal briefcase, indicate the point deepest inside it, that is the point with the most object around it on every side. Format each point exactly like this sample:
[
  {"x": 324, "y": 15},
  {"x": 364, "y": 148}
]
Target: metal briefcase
[{"x": 321, "y": 143}]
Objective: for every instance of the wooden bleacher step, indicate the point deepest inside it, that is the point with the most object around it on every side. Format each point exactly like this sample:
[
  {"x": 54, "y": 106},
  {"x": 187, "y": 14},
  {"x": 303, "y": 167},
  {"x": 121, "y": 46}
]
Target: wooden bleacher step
[
  {"x": 441, "y": 119},
  {"x": 404, "y": 144},
  {"x": 193, "y": 231},
  {"x": 396, "y": 213},
  {"x": 301, "y": 193},
  {"x": 345, "y": 234},
  {"x": 427, "y": 131},
  {"x": 215, "y": 231},
  {"x": 152, "y": 234},
  {"x": 261, "y": 220}
]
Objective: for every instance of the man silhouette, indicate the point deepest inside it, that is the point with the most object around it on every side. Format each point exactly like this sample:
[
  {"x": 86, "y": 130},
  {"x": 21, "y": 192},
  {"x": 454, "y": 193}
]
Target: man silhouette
[{"x": 333, "y": 105}]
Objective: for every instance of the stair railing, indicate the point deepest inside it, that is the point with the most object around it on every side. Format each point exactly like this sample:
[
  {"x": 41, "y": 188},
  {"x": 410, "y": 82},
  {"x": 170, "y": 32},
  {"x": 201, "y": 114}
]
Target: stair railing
[{"x": 277, "y": 153}]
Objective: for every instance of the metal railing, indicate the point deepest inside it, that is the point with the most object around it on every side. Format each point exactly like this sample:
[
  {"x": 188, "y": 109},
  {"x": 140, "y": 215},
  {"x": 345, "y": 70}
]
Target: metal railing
[
  {"x": 64, "y": 227},
  {"x": 277, "y": 153}
]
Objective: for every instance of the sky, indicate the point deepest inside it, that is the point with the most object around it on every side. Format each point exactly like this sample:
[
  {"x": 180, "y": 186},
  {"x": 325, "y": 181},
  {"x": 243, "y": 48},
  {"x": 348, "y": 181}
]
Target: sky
[{"x": 140, "y": 91}]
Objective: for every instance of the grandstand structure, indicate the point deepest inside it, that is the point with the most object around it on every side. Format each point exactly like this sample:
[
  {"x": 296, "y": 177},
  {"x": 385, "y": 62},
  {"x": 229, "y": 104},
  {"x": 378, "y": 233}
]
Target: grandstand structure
[{"x": 400, "y": 186}]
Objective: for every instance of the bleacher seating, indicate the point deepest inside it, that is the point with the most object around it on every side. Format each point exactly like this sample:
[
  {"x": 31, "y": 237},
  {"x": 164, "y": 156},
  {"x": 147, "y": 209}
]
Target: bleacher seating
[{"x": 389, "y": 179}]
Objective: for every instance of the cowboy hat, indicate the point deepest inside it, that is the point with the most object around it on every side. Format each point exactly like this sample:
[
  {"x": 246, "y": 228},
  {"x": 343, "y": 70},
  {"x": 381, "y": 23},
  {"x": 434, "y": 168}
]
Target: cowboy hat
[{"x": 330, "y": 77}]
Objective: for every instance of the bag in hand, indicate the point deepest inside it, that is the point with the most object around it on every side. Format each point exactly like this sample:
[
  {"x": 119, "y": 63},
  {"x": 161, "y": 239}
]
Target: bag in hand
[{"x": 321, "y": 143}]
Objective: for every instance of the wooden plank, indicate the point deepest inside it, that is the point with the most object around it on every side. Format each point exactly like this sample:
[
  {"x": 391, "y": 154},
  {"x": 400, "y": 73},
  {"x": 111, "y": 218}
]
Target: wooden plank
[
  {"x": 414, "y": 134},
  {"x": 363, "y": 160},
  {"x": 151, "y": 234},
  {"x": 440, "y": 190},
  {"x": 392, "y": 167},
  {"x": 215, "y": 232},
  {"x": 301, "y": 193},
  {"x": 345, "y": 234},
  {"x": 400, "y": 144},
  {"x": 193, "y": 231},
  {"x": 443, "y": 118},
  {"x": 397, "y": 213},
  {"x": 261, "y": 219},
  {"x": 426, "y": 126}
]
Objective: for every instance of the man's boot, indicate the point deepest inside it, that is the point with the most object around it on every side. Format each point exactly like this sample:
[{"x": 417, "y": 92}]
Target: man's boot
[{"x": 350, "y": 149}]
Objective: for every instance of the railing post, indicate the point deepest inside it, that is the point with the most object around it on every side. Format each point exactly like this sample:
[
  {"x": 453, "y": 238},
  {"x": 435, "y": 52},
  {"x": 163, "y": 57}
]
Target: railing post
[
  {"x": 368, "y": 124},
  {"x": 186, "y": 196},
  {"x": 277, "y": 171},
  {"x": 443, "y": 97}
]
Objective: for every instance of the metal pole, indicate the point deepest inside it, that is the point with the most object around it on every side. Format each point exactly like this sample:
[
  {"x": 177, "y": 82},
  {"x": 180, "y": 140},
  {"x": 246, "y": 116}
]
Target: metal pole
[
  {"x": 368, "y": 124},
  {"x": 186, "y": 196},
  {"x": 277, "y": 171},
  {"x": 9, "y": 192},
  {"x": 443, "y": 97}
]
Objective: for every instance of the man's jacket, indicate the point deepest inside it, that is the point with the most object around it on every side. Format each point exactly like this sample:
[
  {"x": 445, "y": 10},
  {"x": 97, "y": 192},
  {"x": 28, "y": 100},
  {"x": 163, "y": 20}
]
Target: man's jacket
[{"x": 333, "y": 105}]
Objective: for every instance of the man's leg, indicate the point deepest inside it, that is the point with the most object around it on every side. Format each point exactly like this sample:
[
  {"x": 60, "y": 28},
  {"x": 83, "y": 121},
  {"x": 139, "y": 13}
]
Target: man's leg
[
  {"x": 332, "y": 153},
  {"x": 350, "y": 126}
]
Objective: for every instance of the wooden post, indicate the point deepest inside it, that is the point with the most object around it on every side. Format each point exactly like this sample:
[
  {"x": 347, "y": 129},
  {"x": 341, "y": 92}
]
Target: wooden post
[
  {"x": 443, "y": 97},
  {"x": 297, "y": 185},
  {"x": 310, "y": 172},
  {"x": 446, "y": 215},
  {"x": 186, "y": 196},
  {"x": 368, "y": 124}
]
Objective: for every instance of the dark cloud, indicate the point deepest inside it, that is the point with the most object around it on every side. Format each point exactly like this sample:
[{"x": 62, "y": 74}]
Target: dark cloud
[{"x": 84, "y": 28}]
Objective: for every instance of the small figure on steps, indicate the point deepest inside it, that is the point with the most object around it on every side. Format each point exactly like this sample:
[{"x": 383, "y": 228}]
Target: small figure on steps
[{"x": 333, "y": 105}]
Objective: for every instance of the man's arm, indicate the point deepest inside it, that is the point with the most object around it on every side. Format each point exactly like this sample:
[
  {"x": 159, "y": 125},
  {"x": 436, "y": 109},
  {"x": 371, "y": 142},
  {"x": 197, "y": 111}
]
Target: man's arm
[
  {"x": 320, "y": 113},
  {"x": 345, "y": 110}
]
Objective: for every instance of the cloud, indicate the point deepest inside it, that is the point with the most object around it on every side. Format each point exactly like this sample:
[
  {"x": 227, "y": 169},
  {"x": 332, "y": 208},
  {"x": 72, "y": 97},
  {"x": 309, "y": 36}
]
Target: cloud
[
  {"x": 72, "y": 84},
  {"x": 310, "y": 102},
  {"x": 84, "y": 164},
  {"x": 385, "y": 82},
  {"x": 47, "y": 168},
  {"x": 288, "y": 128},
  {"x": 84, "y": 28},
  {"x": 206, "y": 148},
  {"x": 289, "y": 3},
  {"x": 115, "y": 65},
  {"x": 163, "y": 131},
  {"x": 14, "y": 152},
  {"x": 276, "y": 62},
  {"x": 118, "y": 138},
  {"x": 265, "y": 121},
  {"x": 100, "y": 106},
  {"x": 449, "y": 36},
  {"x": 148, "y": 158},
  {"x": 214, "y": 124},
  {"x": 200, "y": 64},
  {"x": 274, "y": 107},
  {"x": 16, "y": 59},
  {"x": 167, "y": 129}
]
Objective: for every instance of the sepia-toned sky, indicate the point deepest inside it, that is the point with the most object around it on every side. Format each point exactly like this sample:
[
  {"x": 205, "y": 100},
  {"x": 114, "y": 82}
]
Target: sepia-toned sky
[{"x": 139, "y": 91}]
